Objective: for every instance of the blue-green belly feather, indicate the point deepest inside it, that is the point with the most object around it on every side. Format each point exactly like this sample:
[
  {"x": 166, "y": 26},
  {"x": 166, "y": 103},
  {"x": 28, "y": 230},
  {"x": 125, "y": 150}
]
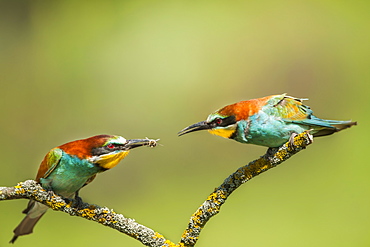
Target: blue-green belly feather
[
  {"x": 70, "y": 175},
  {"x": 263, "y": 129}
]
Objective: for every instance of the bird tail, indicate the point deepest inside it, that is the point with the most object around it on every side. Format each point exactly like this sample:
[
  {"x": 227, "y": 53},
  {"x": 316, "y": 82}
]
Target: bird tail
[
  {"x": 34, "y": 211},
  {"x": 332, "y": 126}
]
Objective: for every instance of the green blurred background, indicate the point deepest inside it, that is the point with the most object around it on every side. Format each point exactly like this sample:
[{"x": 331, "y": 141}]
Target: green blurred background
[{"x": 73, "y": 69}]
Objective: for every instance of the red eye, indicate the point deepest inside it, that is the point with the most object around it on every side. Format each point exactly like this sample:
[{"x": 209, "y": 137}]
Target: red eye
[
  {"x": 111, "y": 146},
  {"x": 218, "y": 121}
]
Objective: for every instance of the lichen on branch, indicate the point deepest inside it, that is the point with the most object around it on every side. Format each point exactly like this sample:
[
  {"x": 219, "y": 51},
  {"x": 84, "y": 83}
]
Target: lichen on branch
[
  {"x": 30, "y": 189},
  {"x": 212, "y": 205}
]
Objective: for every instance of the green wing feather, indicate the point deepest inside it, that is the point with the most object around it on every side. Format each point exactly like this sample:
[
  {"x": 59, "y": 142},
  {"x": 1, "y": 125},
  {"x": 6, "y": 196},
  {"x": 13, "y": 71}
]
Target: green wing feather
[
  {"x": 288, "y": 108},
  {"x": 53, "y": 159},
  {"x": 292, "y": 110}
]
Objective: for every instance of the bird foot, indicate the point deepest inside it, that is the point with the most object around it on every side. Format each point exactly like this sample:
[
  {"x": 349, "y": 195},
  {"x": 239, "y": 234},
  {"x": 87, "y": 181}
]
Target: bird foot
[
  {"x": 271, "y": 151},
  {"x": 78, "y": 203},
  {"x": 293, "y": 135},
  {"x": 291, "y": 139},
  {"x": 310, "y": 136}
]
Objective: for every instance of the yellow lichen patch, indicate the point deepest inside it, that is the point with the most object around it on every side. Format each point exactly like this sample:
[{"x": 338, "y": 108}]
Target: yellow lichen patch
[
  {"x": 106, "y": 215},
  {"x": 243, "y": 173},
  {"x": 214, "y": 210},
  {"x": 212, "y": 197},
  {"x": 221, "y": 194},
  {"x": 196, "y": 217},
  {"x": 281, "y": 154},
  {"x": 197, "y": 222},
  {"x": 87, "y": 213},
  {"x": 157, "y": 235},
  {"x": 169, "y": 243},
  {"x": 264, "y": 167},
  {"x": 302, "y": 139},
  {"x": 69, "y": 204},
  {"x": 216, "y": 196},
  {"x": 19, "y": 189},
  {"x": 298, "y": 141},
  {"x": 55, "y": 205},
  {"x": 256, "y": 168},
  {"x": 185, "y": 234}
]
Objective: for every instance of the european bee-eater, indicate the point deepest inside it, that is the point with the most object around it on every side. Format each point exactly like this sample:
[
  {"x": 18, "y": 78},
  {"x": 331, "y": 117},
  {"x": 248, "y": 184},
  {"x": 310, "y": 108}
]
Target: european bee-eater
[
  {"x": 69, "y": 167},
  {"x": 269, "y": 121}
]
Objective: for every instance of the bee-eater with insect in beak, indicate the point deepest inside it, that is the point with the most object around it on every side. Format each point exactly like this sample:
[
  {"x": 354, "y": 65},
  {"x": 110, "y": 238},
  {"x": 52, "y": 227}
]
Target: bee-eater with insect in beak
[
  {"x": 71, "y": 166},
  {"x": 269, "y": 121}
]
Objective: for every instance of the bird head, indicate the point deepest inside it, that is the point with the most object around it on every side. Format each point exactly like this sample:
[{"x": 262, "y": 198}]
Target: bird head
[
  {"x": 224, "y": 122},
  {"x": 104, "y": 150},
  {"x": 216, "y": 123}
]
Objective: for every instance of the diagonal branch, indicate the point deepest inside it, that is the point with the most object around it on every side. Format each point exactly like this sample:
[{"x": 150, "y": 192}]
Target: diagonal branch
[
  {"x": 212, "y": 205},
  {"x": 30, "y": 189}
]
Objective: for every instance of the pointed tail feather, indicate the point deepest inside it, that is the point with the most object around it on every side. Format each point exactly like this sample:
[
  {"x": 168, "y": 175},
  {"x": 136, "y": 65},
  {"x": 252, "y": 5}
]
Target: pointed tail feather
[
  {"x": 34, "y": 212},
  {"x": 335, "y": 127},
  {"x": 25, "y": 227},
  {"x": 341, "y": 125}
]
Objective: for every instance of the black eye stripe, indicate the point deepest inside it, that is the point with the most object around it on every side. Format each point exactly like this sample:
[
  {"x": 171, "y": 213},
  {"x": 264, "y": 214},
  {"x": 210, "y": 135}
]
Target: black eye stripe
[
  {"x": 113, "y": 146},
  {"x": 223, "y": 122},
  {"x": 107, "y": 149}
]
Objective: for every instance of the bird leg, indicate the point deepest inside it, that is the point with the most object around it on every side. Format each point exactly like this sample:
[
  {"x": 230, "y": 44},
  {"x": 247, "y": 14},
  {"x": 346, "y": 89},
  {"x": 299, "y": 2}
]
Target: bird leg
[
  {"x": 293, "y": 135},
  {"x": 291, "y": 139},
  {"x": 271, "y": 151},
  {"x": 310, "y": 136},
  {"x": 78, "y": 203}
]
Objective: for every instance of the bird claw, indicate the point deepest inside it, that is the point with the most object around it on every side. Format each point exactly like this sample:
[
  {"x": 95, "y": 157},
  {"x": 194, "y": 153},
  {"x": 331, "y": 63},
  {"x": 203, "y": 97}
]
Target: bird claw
[
  {"x": 291, "y": 139},
  {"x": 271, "y": 151},
  {"x": 78, "y": 203},
  {"x": 293, "y": 135},
  {"x": 310, "y": 136}
]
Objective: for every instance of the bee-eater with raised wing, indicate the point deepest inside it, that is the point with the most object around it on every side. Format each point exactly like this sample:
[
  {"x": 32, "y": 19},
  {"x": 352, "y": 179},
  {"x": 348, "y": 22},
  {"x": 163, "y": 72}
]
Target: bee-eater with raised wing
[
  {"x": 69, "y": 167},
  {"x": 269, "y": 121}
]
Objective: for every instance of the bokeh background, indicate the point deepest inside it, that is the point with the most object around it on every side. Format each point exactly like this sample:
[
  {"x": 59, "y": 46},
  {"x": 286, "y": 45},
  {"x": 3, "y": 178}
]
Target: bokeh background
[{"x": 73, "y": 69}]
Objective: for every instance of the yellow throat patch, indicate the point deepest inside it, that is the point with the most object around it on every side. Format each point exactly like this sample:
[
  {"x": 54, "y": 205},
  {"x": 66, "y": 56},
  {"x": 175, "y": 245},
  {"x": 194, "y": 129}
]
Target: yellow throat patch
[
  {"x": 109, "y": 161},
  {"x": 226, "y": 133}
]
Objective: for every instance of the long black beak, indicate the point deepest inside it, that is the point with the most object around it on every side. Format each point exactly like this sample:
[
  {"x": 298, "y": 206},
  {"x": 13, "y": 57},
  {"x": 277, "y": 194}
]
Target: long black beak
[
  {"x": 195, "y": 127},
  {"x": 134, "y": 143}
]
